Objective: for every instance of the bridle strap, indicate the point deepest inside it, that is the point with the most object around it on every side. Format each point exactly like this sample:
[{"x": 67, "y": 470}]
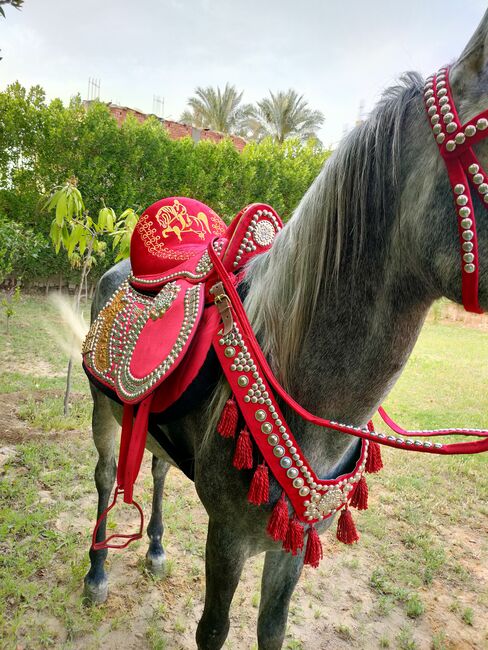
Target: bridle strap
[
  {"x": 455, "y": 142},
  {"x": 241, "y": 320}
]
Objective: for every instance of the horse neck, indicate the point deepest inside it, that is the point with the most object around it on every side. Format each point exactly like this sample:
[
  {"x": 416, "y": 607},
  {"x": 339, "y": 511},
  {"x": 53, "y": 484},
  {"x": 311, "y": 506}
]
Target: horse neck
[{"x": 353, "y": 353}]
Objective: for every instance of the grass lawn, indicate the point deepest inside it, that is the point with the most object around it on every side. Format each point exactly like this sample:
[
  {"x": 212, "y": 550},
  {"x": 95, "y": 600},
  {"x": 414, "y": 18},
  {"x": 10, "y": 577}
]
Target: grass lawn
[{"x": 418, "y": 579}]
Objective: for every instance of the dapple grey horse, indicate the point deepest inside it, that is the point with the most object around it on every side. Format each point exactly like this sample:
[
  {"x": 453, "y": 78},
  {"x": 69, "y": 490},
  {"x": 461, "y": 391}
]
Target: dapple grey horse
[{"x": 338, "y": 303}]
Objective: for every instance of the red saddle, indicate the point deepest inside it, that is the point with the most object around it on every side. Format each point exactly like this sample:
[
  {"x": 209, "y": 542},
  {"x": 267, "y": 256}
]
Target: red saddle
[{"x": 149, "y": 342}]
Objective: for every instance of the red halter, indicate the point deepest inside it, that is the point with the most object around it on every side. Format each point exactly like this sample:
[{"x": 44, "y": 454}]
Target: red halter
[{"x": 455, "y": 142}]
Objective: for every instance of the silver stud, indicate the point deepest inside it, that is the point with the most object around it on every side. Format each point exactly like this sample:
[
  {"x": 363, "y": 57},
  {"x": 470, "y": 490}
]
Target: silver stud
[
  {"x": 260, "y": 415},
  {"x": 434, "y": 119},
  {"x": 478, "y": 178},
  {"x": 483, "y": 188},
  {"x": 243, "y": 381},
  {"x": 460, "y": 138},
  {"x": 440, "y": 138},
  {"x": 432, "y": 111},
  {"x": 443, "y": 100},
  {"x": 469, "y": 131},
  {"x": 266, "y": 427},
  {"x": 450, "y": 145},
  {"x": 285, "y": 462},
  {"x": 468, "y": 257},
  {"x": 464, "y": 212},
  {"x": 445, "y": 109},
  {"x": 440, "y": 84},
  {"x": 273, "y": 440},
  {"x": 428, "y": 93},
  {"x": 442, "y": 92},
  {"x": 469, "y": 268},
  {"x": 437, "y": 128},
  {"x": 448, "y": 117},
  {"x": 466, "y": 223},
  {"x": 482, "y": 124},
  {"x": 451, "y": 127},
  {"x": 462, "y": 199},
  {"x": 292, "y": 472},
  {"x": 467, "y": 246},
  {"x": 279, "y": 451},
  {"x": 229, "y": 352},
  {"x": 473, "y": 169},
  {"x": 467, "y": 235},
  {"x": 430, "y": 101},
  {"x": 459, "y": 188},
  {"x": 304, "y": 491}
]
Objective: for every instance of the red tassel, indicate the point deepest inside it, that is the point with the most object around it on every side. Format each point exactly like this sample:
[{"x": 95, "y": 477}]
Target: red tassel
[
  {"x": 243, "y": 452},
  {"x": 374, "y": 462},
  {"x": 259, "y": 489},
  {"x": 278, "y": 522},
  {"x": 313, "y": 552},
  {"x": 360, "y": 497},
  {"x": 294, "y": 537},
  {"x": 346, "y": 530},
  {"x": 227, "y": 424}
]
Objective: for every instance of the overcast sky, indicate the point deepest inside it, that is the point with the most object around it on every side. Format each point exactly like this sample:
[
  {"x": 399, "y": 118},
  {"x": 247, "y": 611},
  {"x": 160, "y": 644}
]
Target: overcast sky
[{"x": 338, "y": 54}]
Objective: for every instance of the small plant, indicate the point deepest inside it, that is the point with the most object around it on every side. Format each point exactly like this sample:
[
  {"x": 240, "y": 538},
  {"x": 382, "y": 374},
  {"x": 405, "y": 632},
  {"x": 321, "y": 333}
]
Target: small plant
[
  {"x": 468, "y": 616},
  {"x": 344, "y": 632},
  {"x": 439, "y": 641},
  {"x": 405, "y": 639},
  {"x": 9, "y": 302},
  {"x": 415, "y": 606},
  {"x": 384, "y": 642}
]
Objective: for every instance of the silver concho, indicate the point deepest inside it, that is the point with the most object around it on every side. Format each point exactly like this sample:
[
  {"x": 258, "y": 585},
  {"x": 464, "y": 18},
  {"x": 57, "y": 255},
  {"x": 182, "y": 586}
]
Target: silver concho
[{"x": 264, "y": 233}]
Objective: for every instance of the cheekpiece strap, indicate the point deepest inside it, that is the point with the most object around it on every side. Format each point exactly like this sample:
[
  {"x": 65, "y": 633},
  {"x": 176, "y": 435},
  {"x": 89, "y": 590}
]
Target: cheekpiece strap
[{"x": 455, "y": 142}]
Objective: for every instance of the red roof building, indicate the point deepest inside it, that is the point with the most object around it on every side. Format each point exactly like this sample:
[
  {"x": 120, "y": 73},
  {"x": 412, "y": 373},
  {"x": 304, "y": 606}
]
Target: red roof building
[{"x": 176, "y": 130}]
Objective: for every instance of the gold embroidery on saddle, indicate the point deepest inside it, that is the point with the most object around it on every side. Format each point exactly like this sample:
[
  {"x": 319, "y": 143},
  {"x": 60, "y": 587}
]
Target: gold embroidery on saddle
[
  {"x": 111, "y": 344},
  {"x": 164, "y": 300},
  {"x": 173, "y": 219},
  {"x": 97, "y": 339}
]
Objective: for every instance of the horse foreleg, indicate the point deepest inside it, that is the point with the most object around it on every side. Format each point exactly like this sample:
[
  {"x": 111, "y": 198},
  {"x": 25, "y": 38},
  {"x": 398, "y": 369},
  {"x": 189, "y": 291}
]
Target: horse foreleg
[
  {"x": 155, "y": 556},
  {"x": 225, "y": 556},
  {"x": 280, "y": 576},
  {"x": 104, "y": 427}
]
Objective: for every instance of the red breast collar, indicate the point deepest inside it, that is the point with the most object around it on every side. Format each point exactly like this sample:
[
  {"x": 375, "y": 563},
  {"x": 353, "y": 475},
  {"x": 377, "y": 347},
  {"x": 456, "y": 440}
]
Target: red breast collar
[{"x": 455, "y": 142}]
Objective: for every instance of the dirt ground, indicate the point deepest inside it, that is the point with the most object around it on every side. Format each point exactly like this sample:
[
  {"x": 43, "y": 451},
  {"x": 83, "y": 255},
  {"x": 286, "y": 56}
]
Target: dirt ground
[{"x": 333, "y": 608}]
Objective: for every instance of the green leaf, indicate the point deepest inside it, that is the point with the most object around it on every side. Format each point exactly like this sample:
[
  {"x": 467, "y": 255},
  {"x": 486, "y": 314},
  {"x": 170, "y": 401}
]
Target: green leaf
[{"x": 61, "y": 209}]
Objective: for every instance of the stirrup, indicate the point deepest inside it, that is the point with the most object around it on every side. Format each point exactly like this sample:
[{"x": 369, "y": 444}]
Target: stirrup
[{"x": 104, "y": 544}]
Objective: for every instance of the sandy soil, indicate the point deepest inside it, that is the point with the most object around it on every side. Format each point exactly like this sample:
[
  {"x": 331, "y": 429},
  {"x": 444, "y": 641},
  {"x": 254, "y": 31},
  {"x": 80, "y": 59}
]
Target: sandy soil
[{"x": 333, "y": 607}]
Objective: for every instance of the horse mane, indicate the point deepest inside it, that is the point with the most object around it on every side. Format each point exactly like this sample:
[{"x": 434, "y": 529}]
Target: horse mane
[{"x": 342, "y": 222}]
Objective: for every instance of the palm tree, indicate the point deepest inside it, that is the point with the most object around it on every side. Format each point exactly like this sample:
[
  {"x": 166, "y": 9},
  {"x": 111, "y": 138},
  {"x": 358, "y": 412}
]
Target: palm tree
[
  {"x": 284, "y": 115},
  {"x": 215, "y": 109}
]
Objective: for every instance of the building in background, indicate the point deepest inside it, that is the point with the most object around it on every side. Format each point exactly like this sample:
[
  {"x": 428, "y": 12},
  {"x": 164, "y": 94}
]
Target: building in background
[{"x": 176, "y": 130}]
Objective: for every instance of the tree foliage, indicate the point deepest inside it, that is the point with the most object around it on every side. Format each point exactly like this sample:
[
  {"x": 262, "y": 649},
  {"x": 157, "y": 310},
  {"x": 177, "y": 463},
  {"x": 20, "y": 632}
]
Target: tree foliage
[
  {"x": 219, "y": 110},
  {"x": 284, "y": 115},
  {"x": 132, "y": 166}
]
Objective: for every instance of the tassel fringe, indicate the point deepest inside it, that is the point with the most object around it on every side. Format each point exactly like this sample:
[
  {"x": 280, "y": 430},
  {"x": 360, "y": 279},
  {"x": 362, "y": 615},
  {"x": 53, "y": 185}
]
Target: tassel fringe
[
  {"x": 227, "y": 424},
  {"x": 259, "y": 488},
  {"x": 360, "y": 497},
  {"x": 346, "y": 530},
  {"x": 294, "y": 537},
  {"x": 313, "y": 552},
  {"x": 278, "y": 522},
  {"x": 374, "y": 462},
  {"x": 243, "y": 453}
]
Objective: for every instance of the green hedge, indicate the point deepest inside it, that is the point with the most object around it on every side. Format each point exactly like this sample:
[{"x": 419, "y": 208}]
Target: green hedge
[{"x": 42, "y": 144}]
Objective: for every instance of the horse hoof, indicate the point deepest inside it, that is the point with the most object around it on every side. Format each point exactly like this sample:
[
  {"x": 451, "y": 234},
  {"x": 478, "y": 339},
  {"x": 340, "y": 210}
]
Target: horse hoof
[
  {"x": 95, "y": 593},
  {"x": 156, "y": 563}
]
